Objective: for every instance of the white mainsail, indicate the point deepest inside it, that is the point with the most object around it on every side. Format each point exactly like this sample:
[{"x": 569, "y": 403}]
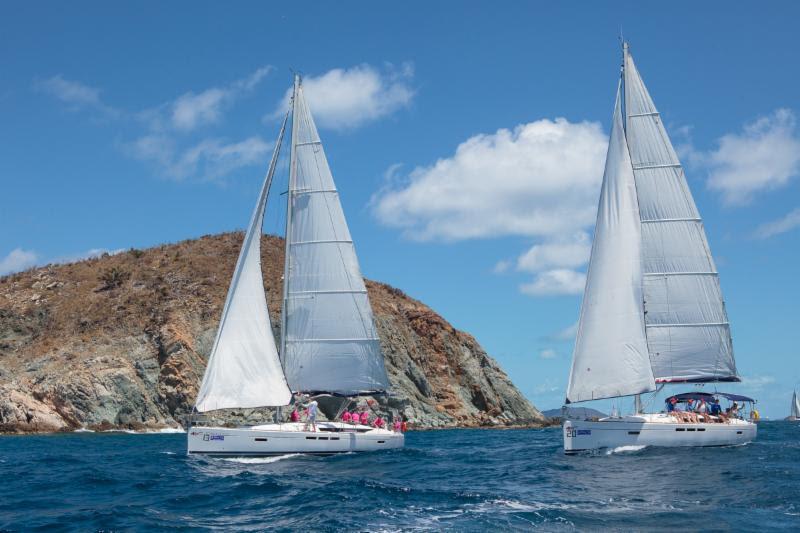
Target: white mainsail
[
  {"x": 330, "y": 343},
  {"x": 688, "y": 334},
  {"x": 652, "y": 309},
  {"x": 243, "y": 369},
  {"x": 795, "y": 405},
  {"x": 611, "y": 356}
]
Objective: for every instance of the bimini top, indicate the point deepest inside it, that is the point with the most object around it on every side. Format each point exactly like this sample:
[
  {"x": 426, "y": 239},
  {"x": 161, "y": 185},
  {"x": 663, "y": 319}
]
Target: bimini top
[{"x": 705, "y": 396}]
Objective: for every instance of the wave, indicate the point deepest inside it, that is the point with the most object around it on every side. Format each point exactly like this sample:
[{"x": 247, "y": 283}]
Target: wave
[
  {"x": 626, "y": 449},
  {"x": 260, "y": 460}
]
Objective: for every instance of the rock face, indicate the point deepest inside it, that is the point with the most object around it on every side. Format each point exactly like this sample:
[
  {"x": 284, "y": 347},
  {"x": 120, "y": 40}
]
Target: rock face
[{"x": 121, "y": 342}]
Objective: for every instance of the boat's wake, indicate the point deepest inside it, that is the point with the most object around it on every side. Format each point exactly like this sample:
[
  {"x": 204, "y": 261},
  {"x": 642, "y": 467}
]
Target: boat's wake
[{"x": 260, "y": 460}]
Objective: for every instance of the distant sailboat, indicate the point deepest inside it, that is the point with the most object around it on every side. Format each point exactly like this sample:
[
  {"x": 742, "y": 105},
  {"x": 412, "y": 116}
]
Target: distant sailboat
[
  {"x": 795, "y": 408},
  {"x": 329, "y": 344},
  {"x": 652, "y": 309}
]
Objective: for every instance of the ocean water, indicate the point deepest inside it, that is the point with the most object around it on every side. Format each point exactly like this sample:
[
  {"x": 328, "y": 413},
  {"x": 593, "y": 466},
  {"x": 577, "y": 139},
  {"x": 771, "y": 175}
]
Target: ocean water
[{"x": 460, "y": 480}]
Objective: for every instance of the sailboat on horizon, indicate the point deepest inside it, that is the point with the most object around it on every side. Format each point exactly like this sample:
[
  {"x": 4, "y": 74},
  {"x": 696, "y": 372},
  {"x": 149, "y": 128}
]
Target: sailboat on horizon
[
  {"x": 652, "y": 311},
  {"x": 794, "y": 409},
  {"x": 329, "y": 345}
]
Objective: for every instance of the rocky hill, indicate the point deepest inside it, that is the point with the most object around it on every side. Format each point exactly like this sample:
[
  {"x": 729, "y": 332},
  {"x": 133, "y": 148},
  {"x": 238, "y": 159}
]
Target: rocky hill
[{"x": 121, "y": 341}]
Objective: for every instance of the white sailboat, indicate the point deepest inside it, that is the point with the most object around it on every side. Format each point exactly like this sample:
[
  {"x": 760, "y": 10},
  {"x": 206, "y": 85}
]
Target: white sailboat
[
  {"x": 795, "y": 408},
  {"x": 329, "y": 344},
  {"x": 652, "y": 311}
]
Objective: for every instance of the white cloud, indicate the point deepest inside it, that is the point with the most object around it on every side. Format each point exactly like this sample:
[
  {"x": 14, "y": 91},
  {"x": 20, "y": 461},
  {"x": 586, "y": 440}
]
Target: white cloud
[
  {"x": 541, "y": 179},
  {"x": 89, "y": 254},
  {"x": 348, "y": 98},
  {"x": 209, "y": 159},
  {"x": 548, "y": 353},
  {"x": 17, "y": 260},
  {"x": 786, "y": 223},
  {"x": 555, "y": 282},
  {"x": 764, "y": 156},
  {"x": 75, "y": 94},
  {"x": 502, "y": 266},
  {"x": 192, "y": 110},
  {"x": 564, "y": 253}
]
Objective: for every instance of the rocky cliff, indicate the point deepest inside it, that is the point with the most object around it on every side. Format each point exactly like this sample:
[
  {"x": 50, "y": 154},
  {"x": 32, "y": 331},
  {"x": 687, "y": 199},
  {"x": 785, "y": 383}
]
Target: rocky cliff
[{"x": 121, "y": 342}]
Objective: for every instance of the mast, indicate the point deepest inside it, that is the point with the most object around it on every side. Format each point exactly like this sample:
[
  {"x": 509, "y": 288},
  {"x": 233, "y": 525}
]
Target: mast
[{"x": 289, "y": 198}]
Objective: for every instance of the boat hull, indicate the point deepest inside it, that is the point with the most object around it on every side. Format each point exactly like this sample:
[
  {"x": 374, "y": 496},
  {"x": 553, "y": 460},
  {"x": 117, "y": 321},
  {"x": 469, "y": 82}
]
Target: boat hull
[
  {"x": 281, "y": 439},
  {"x": 652, "y": 430}
]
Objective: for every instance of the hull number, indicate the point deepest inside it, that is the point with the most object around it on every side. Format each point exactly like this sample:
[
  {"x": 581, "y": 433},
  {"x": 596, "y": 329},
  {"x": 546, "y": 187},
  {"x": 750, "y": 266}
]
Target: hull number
[{"x": 575, "y": 432}]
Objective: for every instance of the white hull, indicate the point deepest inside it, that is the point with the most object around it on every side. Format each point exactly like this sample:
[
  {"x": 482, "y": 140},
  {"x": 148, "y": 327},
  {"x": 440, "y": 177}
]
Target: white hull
[
  {"x": 280, "y": 439},
  {"x": 653, "y": 430}
]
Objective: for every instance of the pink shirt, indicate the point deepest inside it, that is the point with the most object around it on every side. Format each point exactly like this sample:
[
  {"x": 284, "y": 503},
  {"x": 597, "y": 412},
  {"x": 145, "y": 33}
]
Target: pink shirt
[
  {"x": 364, "y": 418},
  {"x": 346, "y": 416}
]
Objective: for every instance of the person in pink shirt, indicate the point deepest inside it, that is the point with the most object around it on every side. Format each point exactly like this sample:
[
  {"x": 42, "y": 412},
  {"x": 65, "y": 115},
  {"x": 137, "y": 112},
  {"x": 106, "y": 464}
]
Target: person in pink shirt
[
  {"x": 364, "y": 418},
  {"x": 378, "y": 422},
  {"x": 346, "y": 417},
  {"x": 295, "y": 416},
  {"x": 396, "y": 426}
]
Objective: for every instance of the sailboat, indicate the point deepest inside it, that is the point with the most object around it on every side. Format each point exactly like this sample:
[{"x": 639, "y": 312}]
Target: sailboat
[
  {"x": 329, "y": 344},
  {"x": 652, "y": 311},
  {"x": 795, "y": 408}
]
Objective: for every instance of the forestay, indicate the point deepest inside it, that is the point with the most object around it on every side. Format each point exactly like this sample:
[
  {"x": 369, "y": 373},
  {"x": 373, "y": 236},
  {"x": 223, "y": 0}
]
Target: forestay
[
  {"x": 610, "y": 356},
  {"x": 330, "y": 343},
  {"x": 688, "y": 334},
  {"x": 244, "y": 369}
]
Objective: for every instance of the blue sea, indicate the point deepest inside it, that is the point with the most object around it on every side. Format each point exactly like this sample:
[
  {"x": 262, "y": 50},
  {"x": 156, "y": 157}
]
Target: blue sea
[{"x": 459, "y": 480}]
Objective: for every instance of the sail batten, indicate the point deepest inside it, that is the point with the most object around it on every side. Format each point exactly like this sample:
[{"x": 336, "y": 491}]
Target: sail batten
[
  {"x": 243, "y": 369},
  {"x": 610, "y": 357},
  {"x": 687, "y": 326},
  {"x": 330, "y": 341}
]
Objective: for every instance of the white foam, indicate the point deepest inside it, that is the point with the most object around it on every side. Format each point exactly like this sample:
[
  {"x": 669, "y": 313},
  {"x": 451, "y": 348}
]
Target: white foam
[
  {"x": 625, "y": 449},
  {"x": 259, "y": 460},
  {"x": 83, "y": 430}
]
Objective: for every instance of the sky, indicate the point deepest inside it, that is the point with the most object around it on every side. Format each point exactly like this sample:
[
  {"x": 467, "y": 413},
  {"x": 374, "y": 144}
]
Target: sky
[{"x": 467, "y": 141}]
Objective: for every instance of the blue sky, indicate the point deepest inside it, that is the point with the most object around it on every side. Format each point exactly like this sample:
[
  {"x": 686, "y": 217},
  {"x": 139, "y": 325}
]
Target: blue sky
[{"x": 467, "y": 141}]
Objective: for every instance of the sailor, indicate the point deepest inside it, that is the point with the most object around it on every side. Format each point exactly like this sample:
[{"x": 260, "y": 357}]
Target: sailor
[
  {"x": 671, "y": 404},
  {"x": 396, "y": 426},
  {"x": 346, "y": 417},
  {"x": 311, "y": 415},
  {"x": 294, "y": 416},
  {"x": 404, "y": 425},
  {"x": 364, "y": 418}
]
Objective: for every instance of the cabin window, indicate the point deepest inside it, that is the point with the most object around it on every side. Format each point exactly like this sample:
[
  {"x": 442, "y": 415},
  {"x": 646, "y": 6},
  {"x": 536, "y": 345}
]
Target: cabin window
[
  {"x": 633, "y": 433},
  {"x": 311, "y": 438},
  {"x": 334, "y": 438},
  {"x": 261, "y": 439},
  {"x": 381, "y": 441},
  {"x": 323, "y": 438},
  {"x": 738, "y": 432},
  {"x": 689, "y": 429},
  {"x": 701, "y": 429},
  {"x": 680, "y": 429}
]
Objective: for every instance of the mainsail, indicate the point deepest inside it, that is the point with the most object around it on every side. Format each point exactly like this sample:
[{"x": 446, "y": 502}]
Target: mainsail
[
  {"x": 610, "y": 356},
  {"x": 653, "y": 309},
  {"x": 688, "y": 334},
  {"x": 795, "y": 405},
  {"x": 243, "y": 369},
  {"x": 330, "y": 343}
]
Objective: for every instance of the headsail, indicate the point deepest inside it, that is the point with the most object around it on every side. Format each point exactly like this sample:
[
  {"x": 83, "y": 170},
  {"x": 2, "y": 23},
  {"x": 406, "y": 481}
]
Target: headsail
[
  {"x": 243, "y": 369},
  {"x": 688, "y": 333},
  {"x": 610, "y": 356},
  {"x": 795, "y": 405},
  {"x": 330, "y": 342}
]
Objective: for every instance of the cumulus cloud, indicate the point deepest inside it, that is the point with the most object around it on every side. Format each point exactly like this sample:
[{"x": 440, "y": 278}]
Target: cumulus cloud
[
  {"x": 209, "y": 159},
  {"x": 348, "y": 98},
  {"x": 555, "y": 282},
  {"x": 764, "y": 156},
  {"x": 566, "y": 334},
  {"x": 540, "y": 180},
  {"x": 786, "y": 223},
  {"x": 17, "y": 260},
  {"x": 191, "y": 110}
]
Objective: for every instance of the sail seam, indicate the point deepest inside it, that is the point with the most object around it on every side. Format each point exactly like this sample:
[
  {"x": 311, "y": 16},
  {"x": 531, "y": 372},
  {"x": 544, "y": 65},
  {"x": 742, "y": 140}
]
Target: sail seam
[
  {"x": 648, "y": 167},
  {"x": 653, "y": 220},
  {"x": 650, "y": 114},
  {"x": 355, "y": 339},
  {"x": 697, "y": 324},
  {"x": 308, "y": 143},
  {"x": 353, "y": 291},
  {"x": 680, "y": 273},
  {"x": 328, "y": 241},
  {"x": 312, "y": 191}
]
